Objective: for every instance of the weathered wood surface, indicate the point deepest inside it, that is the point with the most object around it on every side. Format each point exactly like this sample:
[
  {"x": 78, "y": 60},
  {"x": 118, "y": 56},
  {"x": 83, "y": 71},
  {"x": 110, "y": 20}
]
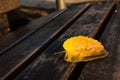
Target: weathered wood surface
[
  {"x": 109, "y": 67},
  {"x": 49, "y": 66},
  {"x": 19, "y": 56},
  {"x": 7, "y": 5},
  {"x": 15, "y": 37}
]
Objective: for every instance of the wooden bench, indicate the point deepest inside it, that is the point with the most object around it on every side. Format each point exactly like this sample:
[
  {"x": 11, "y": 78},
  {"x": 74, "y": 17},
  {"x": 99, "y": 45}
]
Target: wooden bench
[
  {"x": 15, "y": 37},
  {"x": 108, "y": 68},
  {"x": 32, "y": 56}
]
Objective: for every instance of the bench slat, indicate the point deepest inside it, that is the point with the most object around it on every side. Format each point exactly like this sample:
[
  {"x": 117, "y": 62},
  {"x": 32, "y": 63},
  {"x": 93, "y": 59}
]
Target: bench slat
[
  {"x": 18, "y": 57},
  {"x": 15, "y": 37},
  {"x": 109, "y": 67},
  {"x": 49, "y": 66}
]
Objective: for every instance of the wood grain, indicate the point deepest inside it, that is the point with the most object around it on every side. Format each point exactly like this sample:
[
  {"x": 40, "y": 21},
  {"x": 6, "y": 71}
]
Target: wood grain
[
  {"x": 15, "y": 37},
  {"x": 109, "y": 67},
  {"x": 19, "y": 56},
  {"x": 49, "y": 66}
]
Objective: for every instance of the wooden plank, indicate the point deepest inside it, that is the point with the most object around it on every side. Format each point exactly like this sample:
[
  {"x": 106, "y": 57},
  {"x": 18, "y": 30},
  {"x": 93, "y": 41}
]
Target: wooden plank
[
  {"x": 15, "y": 37},
  {"x": 109, "y": 67},
  {"x": 19, "y": 56},
  {"x": 50, "y": 66}
]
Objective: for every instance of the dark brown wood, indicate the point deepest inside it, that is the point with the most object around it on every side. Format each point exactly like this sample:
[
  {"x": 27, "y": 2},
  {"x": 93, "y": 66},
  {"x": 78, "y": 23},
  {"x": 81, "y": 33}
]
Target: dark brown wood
[
  {"x": 49, "y": 66},
  {"x": 15, "y": 37},
  {"x": 19, "y": 56},
  {"x": 109, "y": 67}
]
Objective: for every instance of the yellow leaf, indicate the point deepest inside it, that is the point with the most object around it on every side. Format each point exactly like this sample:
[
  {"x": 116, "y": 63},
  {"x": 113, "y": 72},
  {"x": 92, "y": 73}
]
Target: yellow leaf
[{"x": 82, "y": 48}]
